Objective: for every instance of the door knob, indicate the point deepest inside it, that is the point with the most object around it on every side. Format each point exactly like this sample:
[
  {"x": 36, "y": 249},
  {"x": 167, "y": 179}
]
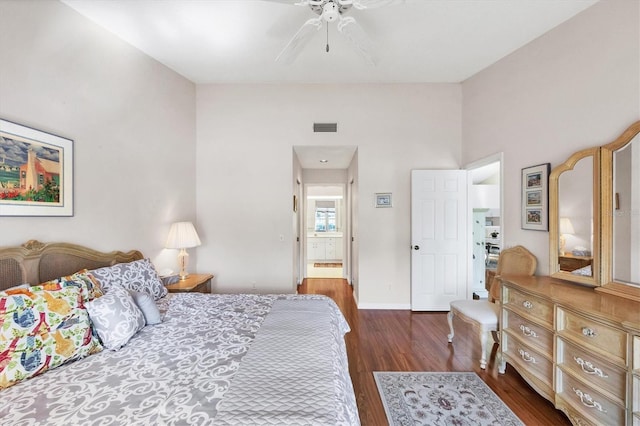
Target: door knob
[{"x": 416, "y": 247}]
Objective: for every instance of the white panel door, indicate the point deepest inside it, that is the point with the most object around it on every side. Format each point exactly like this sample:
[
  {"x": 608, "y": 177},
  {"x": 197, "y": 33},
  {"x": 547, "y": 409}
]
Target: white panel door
[{"x": 439, "y": 238}]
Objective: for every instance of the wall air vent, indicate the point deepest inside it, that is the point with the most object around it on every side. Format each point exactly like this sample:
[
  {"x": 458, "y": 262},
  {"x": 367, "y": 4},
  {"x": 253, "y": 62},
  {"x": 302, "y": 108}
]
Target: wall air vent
[{"x": 325, "y": 127}]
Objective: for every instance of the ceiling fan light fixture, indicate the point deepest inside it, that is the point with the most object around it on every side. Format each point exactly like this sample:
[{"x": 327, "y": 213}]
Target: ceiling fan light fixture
[{"x": 330, "y": 11}]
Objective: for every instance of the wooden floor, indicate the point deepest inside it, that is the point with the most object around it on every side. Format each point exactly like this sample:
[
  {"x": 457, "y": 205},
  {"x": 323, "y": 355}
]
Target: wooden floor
[{"x": 395, "y": 340}]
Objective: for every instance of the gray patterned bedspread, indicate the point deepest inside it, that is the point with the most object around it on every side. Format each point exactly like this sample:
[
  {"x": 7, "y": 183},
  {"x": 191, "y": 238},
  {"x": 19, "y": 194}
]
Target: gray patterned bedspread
[{"x": 179, "y": 372}]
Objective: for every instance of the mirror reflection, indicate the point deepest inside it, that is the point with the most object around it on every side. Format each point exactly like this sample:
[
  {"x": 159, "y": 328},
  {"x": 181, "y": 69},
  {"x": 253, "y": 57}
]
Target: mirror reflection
[
  {"x": 626, "y": 213},
  {"x": 575, "y": 219}
]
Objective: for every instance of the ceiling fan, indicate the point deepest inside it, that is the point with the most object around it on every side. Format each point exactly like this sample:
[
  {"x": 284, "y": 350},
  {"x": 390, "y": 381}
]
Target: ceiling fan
[{"x": 332, "y": 11}]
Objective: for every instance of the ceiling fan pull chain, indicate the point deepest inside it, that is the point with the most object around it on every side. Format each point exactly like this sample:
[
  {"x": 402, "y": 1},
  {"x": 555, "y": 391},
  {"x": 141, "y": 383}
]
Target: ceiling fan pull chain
[{"x": 327, "y": 38}]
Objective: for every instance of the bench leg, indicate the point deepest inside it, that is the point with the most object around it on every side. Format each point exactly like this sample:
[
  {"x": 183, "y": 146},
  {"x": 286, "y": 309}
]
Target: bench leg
[
  {"x": 483, "y": 349},
  {"x": 450, "y": 320}
]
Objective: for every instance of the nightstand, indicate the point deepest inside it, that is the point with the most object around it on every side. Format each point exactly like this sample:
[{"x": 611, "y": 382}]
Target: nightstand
[
  {"x": 569, "y": 262},
  {"x": 199, "y": 283}
]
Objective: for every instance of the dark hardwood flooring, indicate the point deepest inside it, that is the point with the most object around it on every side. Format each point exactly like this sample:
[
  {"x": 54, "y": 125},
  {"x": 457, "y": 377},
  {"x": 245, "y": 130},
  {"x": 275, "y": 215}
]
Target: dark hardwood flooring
[{"x": 396, "y": 340}]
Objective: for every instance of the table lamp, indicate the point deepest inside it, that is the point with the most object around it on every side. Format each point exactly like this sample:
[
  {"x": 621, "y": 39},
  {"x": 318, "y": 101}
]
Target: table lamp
[
  {"x": 565, "y": 228},
  {"x": 182, "y": 235}
]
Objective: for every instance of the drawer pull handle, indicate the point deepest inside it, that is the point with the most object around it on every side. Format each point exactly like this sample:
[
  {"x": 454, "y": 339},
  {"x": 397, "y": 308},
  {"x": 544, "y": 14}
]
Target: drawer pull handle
[
  {"x": 527, "y": 331},
  {"x": 526, "y": 356},
  {"x": 588, "y": 401},
  {"x": 527, "y": 304},
  {"x": 588, "y": 368},
  {"x": 589, "y": 332}
]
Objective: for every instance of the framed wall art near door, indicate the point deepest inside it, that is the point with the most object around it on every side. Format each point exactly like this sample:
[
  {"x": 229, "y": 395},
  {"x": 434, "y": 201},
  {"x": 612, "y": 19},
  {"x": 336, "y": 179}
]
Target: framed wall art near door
[
  {"x": 383, "y": 199},
  {"x": 535, "y": 197},
  {"x": 36, "y": 172}
]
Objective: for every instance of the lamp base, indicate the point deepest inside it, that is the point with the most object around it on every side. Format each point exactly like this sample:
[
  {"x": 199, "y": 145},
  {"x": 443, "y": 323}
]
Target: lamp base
[{"x": 183, "y": 261}]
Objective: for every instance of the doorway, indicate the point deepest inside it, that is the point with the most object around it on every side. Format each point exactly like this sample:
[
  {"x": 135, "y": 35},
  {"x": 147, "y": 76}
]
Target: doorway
[
  {"x": 329, "y": 176},
  {"x": 453, "y": 212},
  {"x": 324, "y": 227},
  {"x": 485, "y": 201}
]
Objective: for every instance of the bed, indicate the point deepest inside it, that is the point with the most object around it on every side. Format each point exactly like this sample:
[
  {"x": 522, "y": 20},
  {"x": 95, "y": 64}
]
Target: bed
[{"x": 244, "y": 359}]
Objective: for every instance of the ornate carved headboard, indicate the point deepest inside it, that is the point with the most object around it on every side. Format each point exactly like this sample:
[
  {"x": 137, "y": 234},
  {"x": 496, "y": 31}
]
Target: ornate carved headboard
[{"x": 35, "y": 262}]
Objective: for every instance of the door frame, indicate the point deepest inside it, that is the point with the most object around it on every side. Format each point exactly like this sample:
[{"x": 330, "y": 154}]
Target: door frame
[
  {"x": 345, "y": 221},
  {"x": 494, "y": 158}
]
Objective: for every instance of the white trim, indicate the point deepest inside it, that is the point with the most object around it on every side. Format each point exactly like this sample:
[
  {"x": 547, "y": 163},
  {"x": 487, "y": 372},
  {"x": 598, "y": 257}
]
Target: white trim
[{"x": 386, "y": 306}]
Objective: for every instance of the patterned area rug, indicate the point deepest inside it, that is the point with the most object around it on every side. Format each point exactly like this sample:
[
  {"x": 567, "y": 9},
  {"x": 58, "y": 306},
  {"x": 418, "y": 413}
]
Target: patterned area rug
[{"x": 441, "y": 399}]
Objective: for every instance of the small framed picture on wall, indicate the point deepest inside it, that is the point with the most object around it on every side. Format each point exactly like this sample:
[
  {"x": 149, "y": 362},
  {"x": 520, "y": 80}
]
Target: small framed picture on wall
[{"x": 383, "y": 199}]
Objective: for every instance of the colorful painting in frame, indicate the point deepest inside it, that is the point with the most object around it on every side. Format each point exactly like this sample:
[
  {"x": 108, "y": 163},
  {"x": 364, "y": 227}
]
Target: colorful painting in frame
[
  {"x": 36, "y": 172},
  {"x": 535, "y": 197}
]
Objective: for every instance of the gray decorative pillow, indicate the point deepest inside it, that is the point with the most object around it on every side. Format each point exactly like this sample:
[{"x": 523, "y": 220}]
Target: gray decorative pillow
[
  {"x": 139, "y": 275},
  {"x": 115, "y": 317},
  {"x": 148, "y": 307}
]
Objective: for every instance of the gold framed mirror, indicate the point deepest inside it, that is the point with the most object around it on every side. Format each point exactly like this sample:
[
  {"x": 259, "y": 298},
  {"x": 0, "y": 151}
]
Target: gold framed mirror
[
  {"x": 620, "y": 179},
  {"x": 574, "y": 218}
]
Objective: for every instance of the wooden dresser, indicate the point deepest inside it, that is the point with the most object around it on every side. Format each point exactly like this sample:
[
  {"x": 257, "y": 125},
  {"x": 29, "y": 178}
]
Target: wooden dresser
[{"x": 577, "y": 347}]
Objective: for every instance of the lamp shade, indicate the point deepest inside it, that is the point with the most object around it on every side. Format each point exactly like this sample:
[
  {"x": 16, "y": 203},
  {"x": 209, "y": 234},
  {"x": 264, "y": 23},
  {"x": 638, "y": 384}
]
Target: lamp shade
[
  {"x": 565, "y": 226},
  {"x": 182, "y": 235}
]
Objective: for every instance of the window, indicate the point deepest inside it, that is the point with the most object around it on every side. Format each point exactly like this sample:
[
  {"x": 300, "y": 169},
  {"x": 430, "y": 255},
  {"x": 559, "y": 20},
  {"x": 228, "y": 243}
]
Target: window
[{"x": 325, "y": 216}]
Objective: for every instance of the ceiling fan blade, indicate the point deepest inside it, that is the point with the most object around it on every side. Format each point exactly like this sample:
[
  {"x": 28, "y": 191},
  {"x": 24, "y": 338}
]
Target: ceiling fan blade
[
  {"x": 372, "y": 4},
  {"x": 292, "y": 2},
  {"x": 299, "y": 40},
  {"x": 357, "y": 37}
]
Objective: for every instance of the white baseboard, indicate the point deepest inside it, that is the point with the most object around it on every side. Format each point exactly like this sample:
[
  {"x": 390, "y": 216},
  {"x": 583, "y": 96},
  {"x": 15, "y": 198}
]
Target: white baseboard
[{"x": 387, "y": 306}]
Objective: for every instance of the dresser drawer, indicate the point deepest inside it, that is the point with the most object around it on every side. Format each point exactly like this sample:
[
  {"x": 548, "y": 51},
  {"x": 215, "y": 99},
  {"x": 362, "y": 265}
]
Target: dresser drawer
[
  {"x": 594, "y": 406},
  {"x": 528, "y": 305},
  {"x": 529, "y": 332},
  {"x": 596, "y": 371},
  {"x": 529, "y": 359},
  {"x": 610, "y": 342}
]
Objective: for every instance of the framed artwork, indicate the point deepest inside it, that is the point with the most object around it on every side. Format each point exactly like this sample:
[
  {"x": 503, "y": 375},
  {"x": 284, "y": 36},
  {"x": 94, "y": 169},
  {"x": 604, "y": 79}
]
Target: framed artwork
[
  {"x": 383, "y": 199},
  {"x": 535, "y": 197},
  {"x": 36, "y": 172}
]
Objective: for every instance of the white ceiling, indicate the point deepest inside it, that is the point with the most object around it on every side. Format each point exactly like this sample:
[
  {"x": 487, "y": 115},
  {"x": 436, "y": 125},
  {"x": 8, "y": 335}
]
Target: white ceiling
[{"x": 237, "y": 41}]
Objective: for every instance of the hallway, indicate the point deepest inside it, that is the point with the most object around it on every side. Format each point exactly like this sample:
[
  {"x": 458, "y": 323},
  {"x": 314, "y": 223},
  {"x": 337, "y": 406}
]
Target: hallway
[{"x": 315, "y": 271}]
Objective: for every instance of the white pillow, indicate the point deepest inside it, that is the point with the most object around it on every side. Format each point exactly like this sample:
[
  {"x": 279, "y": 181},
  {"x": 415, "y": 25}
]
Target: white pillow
[
  {"x": 148, "y": 307},
  {"x": 115, "y": 317},
  {"x": 139, "y": 275}
]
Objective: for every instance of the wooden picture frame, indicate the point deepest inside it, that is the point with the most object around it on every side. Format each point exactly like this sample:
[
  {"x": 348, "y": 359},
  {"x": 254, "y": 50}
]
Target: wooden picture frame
[
  {"x": 36, "y": 172},
  {"x": 535, "y": 197}
]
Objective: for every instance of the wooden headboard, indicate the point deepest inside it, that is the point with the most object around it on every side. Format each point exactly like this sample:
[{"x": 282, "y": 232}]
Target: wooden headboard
[{"x": 35, "y": 262}]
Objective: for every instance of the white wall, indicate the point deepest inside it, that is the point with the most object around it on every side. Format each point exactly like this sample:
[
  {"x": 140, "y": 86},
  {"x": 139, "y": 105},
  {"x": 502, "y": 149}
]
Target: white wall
[
  {"x": 132, "y": 121},
  {"x": 575, "y": 87},
  {"x": 245, "y": 134}
]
